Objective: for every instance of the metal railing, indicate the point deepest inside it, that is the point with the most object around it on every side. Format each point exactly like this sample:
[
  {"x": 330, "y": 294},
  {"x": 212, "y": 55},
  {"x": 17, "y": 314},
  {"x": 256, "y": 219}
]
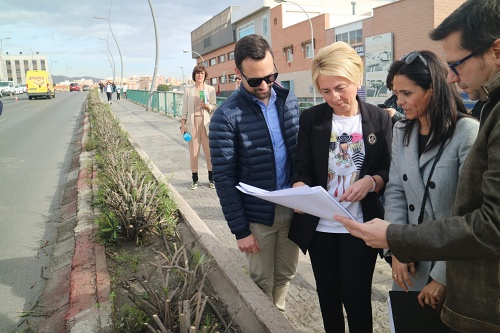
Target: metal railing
[{"x": 168, "y": 102}]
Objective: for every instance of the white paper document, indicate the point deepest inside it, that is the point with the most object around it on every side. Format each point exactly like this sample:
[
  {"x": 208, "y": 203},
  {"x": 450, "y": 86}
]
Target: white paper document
[{"x": 311, "y": 200}]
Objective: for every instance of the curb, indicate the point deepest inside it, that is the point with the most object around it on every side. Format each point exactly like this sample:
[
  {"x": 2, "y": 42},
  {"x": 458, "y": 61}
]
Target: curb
[{"x": 89, "y": 305}]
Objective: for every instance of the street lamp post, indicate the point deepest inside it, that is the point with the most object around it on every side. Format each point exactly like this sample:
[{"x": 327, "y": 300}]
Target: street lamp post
[
  {"x": 2, "y": 39},
  {"x": 182, "y": 68},
  {"x": 312, "y": 38},
  {"x": 199, "y": 55},
  {"x": 67, "y": 70},
  {"x": 156, "y": 59},
  {"x": 109, "y": 23},
  {"x": 113, "y": 66}
]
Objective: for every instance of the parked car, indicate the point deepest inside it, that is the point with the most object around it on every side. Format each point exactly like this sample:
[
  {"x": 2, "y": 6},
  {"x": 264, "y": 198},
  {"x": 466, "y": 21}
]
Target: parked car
[
  {"x": 24, "y": 88},
  {"x": 74, "y": 87},
  {"x": 7, "y": 88},
  {"x": 86, "y": 87},
  {"x": 20, "y": 89}
]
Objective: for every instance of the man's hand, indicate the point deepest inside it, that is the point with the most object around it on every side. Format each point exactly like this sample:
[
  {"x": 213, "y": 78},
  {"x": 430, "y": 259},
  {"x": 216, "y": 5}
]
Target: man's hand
[
  {"x": 372, "y": 232},
  {"x": 248, "y": 244},
  {"x": 297, "y": 184}
]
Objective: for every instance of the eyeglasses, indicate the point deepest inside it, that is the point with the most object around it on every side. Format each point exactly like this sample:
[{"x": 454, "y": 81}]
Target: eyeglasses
[
  {"x": 461, "y": 61},
  {"x": 255, "y": 82},
  {"x": 410, "y": 58}
]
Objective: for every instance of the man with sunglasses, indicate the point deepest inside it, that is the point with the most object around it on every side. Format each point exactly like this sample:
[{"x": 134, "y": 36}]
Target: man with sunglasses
[
  {"x": 253, "y": 138},
  {"x": 469, "y": 240}
]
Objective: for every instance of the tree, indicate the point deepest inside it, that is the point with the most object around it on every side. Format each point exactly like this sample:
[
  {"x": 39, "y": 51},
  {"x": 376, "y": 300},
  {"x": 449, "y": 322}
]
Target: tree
[{"x": 163, "y": 87}]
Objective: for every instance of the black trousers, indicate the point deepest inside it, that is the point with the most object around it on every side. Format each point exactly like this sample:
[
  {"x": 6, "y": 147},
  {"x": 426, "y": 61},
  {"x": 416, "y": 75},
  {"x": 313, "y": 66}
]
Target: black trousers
[
  {"x": 343, "y": 268},
  {"x": 109, "y": 95}
]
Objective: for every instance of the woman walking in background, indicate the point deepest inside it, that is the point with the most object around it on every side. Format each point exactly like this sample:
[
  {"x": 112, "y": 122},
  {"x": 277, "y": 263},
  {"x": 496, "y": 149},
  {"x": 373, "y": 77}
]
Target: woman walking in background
[{"x": 198, "y": 105}]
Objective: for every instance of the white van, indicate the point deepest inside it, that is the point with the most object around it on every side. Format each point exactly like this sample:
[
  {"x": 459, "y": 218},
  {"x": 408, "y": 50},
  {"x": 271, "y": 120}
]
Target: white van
[{"x": 7, "y": 88}]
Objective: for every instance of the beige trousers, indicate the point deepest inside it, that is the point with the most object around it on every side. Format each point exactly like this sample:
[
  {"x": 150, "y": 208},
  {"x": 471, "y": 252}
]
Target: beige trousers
[
  {"x": 274, "y": 266},
  {"x": 199, "y": 138}
]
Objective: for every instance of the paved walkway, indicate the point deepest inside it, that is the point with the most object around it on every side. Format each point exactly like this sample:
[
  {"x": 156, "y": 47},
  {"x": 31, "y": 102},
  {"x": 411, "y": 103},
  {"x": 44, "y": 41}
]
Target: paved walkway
[{"x": 158, "y": 135}]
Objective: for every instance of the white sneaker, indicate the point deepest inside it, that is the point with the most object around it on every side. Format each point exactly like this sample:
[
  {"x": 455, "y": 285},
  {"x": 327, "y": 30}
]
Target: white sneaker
[
  {"x": 194, "y": 185},
  {"x": 211, "y": 184}
]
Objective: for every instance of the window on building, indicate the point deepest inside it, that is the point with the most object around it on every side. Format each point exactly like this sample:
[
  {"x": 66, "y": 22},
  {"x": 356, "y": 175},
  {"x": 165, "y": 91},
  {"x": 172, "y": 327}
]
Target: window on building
[
  {"x": 222, "y": 79},
  {"x": 289, "y": 54},
  {"x": 351, "y": 37},
  {"x": 17, "y": 63},
  {"x": 222, "y": 58},
  {"x": 213, "y": 81},
  {"x": 232, "y": 78},
  {"x": 246, "y": 30},
  {"x": 265, "y": 25},
  {"x": 25, "y": 64},
  {"x": 207, "y": 42},
  {"x": 230, "y": 56},
  {"x": 35, "y": 66},
  {"x": 7, "y": 62},
  {"x": 213, "y": 62},
  {"x": 309, "y": 50}
]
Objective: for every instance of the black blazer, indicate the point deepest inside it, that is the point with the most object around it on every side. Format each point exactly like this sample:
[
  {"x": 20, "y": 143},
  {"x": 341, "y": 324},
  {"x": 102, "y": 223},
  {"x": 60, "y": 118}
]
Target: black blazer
[{"x": 311, "y": 160}]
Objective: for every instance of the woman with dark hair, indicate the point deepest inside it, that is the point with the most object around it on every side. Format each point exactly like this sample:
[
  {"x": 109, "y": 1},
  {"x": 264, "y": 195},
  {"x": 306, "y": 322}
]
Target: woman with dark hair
[
  {"x": 428, "y": 151},
  {"x": 198, "y": 105}
]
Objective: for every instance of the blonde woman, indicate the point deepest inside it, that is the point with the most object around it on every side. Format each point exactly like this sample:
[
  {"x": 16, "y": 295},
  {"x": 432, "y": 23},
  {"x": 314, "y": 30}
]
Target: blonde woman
[
  {"x": 343, "y": 146},
  {"x": 198, "y": 106}
]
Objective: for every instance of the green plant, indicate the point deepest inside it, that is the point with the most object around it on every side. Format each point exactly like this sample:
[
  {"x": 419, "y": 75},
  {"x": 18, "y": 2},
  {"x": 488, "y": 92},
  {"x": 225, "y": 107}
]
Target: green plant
[{"x": 131, "y": 319}]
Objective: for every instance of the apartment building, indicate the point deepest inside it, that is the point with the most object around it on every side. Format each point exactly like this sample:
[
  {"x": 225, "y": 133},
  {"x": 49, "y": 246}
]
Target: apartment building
[
  {"x": 380, "y": 30},
  {"x": 16, "y": 65}
]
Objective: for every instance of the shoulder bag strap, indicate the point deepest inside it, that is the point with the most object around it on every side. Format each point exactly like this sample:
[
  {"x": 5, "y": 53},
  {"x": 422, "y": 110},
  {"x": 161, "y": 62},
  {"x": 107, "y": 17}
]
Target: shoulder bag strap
[{"x": 426, "y": 193}]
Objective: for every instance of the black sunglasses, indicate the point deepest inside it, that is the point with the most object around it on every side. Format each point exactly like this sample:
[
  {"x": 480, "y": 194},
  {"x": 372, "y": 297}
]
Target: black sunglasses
[
  {"x": 255, "y": 82},
  {"x": 455, "y": 64},
  {"x": 410, "y": 58}
]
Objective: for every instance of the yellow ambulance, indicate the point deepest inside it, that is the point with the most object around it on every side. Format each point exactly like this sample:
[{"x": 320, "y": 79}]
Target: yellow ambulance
[{"x": 39, "y": 84}]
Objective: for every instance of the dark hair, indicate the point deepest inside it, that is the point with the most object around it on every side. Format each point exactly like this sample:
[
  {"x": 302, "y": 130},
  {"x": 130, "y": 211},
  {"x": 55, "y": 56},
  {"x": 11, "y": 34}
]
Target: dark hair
[
  {"x": 199, "y": 69},
  {"x": 252, "y": 46},
  {"x": 445, "y": 104},
  {"x": 477, "y": 21}
]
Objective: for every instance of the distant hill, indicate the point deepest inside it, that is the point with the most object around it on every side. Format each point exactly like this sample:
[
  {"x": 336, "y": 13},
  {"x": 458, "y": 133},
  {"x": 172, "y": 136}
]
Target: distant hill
[{"x": 62, "y": 78}]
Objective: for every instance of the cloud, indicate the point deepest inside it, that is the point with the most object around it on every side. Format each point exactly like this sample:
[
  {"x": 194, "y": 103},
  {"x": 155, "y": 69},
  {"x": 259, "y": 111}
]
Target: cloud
[{"x": 67, "y": 33}]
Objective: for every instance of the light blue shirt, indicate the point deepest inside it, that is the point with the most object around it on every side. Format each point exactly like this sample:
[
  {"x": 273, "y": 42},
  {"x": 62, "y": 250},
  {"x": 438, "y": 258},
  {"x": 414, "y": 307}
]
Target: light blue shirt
[{"x": 280, "y": 155}]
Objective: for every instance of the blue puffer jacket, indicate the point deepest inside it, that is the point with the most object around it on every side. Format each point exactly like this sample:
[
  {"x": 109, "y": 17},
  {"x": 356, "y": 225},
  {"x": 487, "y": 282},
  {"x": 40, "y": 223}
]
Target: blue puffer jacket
[{"x": 242, "y": 151}]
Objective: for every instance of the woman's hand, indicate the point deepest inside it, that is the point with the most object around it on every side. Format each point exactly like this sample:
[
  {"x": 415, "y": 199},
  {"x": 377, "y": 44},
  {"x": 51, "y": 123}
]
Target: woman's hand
[
  {"x": 433, "y": 295},
  {"x": 358, "y": 190},
  {"x": 183, "y": 128},
  {"x": 297, "y": 184},
  {"x": 401, "y": 273}
]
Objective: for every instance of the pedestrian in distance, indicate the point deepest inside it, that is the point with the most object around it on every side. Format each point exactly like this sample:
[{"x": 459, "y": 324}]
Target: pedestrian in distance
[
  {"x": 101, "y": 87},
  {"x": 469, "y": 240},
  {"x": 428, "y": 152},
  {"x": 253, "y": 138},
  {"x": 198, "y": 105},
  {"x": 118, "y": 92},
  {"x": 125, "y": 87},
  {"x": 343, "y": 146},
  {"x": 109, "y": 91}
]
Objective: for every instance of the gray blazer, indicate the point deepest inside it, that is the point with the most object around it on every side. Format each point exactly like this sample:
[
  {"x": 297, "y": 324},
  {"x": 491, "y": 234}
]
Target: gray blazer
[{"x": 407, "y": 179}]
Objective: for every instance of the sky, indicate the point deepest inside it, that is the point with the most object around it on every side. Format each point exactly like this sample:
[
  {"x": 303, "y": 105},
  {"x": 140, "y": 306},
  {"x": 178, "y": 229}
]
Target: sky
[{"x": 68, "y": 34}]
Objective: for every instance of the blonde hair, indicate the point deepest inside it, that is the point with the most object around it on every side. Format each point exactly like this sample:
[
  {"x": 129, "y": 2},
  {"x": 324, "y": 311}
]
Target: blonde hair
[{"x": 338, "y": 59}]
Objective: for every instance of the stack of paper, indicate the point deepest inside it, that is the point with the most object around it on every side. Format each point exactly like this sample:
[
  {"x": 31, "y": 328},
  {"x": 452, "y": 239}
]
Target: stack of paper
[{"x": 311, "y": 200}]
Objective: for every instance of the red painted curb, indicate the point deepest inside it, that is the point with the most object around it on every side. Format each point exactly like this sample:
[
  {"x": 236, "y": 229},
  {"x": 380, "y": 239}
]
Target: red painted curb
[{"x": 82, "y": 290}]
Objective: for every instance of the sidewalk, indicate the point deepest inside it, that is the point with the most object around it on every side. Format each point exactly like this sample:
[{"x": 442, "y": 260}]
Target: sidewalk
[{"x": 158, "y": 137}]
